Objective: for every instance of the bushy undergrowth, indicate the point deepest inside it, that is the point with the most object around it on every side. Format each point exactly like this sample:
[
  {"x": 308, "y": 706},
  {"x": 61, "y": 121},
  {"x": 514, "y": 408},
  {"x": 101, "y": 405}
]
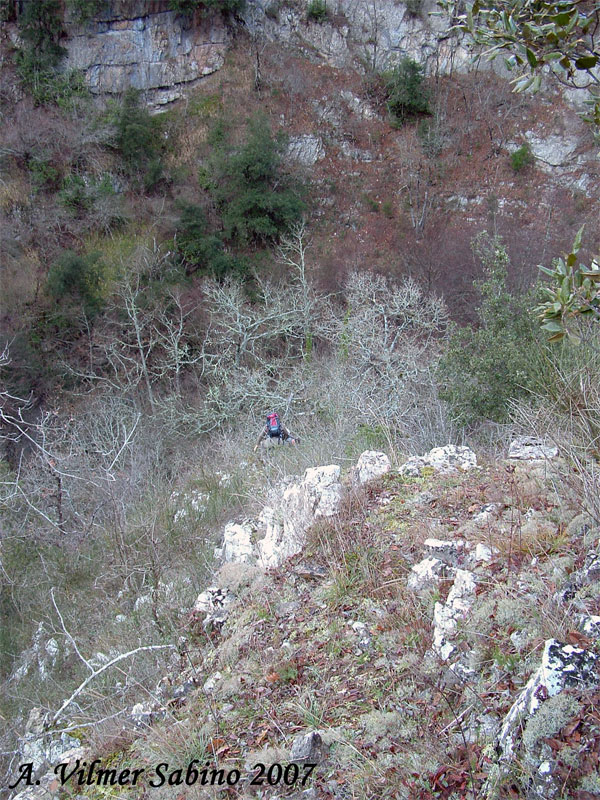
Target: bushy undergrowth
[
  {"x": 188, "y": 7},
  {"x": 522, "y": 158},
  {"x": 407, "y": 95},
  {"x": 502, "y": 358},
  {"x": 251, "y": 200}
]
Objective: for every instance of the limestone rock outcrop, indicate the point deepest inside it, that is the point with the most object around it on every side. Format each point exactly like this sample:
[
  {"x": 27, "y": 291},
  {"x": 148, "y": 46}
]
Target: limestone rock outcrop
[
  {"x": 529, "y": 448},
  {"x": 370, "y": 33},
  {"x": 542, "y": 707},
  {"x": 446, "y": 616},
  {"x": 371, "y": 464},
  {"x": 148, "y": 47},
  {"x": 441, "y": 459},
  {"x": 318, "y": 494}
]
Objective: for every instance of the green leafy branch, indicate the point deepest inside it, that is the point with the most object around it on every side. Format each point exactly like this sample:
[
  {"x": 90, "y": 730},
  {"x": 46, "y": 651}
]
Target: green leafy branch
[
  {"x": 574, "y": 293},
  {"x": 560, "y": 35}
]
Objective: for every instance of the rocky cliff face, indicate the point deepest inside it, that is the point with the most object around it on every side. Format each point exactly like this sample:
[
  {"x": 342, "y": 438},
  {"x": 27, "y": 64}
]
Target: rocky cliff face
[
  {"x": 148, "y": 47},
  {"x": 359, "y": 33}
]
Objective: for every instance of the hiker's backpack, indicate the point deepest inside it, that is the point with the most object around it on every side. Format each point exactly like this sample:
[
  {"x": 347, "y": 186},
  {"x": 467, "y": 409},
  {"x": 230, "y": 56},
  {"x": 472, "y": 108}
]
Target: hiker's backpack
[{"x": 273, "y": 425}]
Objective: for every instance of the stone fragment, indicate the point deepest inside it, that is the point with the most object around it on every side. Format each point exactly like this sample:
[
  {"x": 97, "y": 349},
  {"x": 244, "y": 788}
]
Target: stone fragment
[
  {"x": 371, "y": 464},
  {"x": 308, "y": 748},
  {"x": 358, "y": 106},
  {"x": 427, "y": 574},
  {"x": 237, "y": 543},
  {"x": 529, "y": 448},
  {"x": 450, "y": 458},
  {"x": 483, "y": 553},
  {"x": 447, "y": 616},
  {"x": 215, "y": 603},
  {"x": 306, "y": 149},
  {"x": 591, "y": 626},
  {"x": 448, "y": 551},
  {"x": 486, "y": 513},
  {"x": 563, "y": 666},
  {"x": 210, "y": 684}
]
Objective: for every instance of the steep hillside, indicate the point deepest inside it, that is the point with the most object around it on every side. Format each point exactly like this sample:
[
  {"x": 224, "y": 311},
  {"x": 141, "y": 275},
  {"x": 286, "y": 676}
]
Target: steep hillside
[
  {"x": 207, "y": 214},
  {"x": 396, "y": 199},
  {"x": 435, "y": 638}
]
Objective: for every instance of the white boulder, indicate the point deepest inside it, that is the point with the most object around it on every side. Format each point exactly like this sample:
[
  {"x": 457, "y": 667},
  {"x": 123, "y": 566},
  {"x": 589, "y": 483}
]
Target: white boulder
[
  {"x": 237, "y": 543},
  {"x": 426, "y": 574},
  {"x": 447, "y": 616},
  {"x": 563, "y": 666},
  {"x": 448, "y": 551},
  {"x": 528, "y": 448},
  {"x": 450, "y": 458},
  {"x": 318, "y": 494},
  {"x": 371, "y": 464}
]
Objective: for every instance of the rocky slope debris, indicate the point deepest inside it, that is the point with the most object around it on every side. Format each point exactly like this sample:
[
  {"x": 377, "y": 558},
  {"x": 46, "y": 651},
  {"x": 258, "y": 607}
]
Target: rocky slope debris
[{"x": 434, "y": 626}]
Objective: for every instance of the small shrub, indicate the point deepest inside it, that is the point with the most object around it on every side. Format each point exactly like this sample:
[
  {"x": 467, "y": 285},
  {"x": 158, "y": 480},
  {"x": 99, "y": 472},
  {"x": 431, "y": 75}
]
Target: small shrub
[
  {"x": 7, "y": 11},
  {"x": 188, "y": 7},
  {"x": 388, "y": 208},
  {"x": 272, "y": 11},
  {"x": 44, "y": 174},
  {"x": 522, "y": 158},
  {"x": 62, "y": 89},
  {"x": 40, "y": 26},
  {"x": 500, "y": 360},
  {"x": 414, "y": 8},
  {"x": 257, "y": 200},
  {"x": 370, "y": 203},
  {"x": 41, "y": 30},
  {"x": 431, "y": 136},
  {"x": 317, "y": 11},
  {"x": 84, "y": 10},
  {"x": 202, "y": 251},
  {"x": 77, "y": 278},
  {"x": 406, "y": 94},
  {"x": 75, "y": 194},
  {"x": 139, "y": 141}
]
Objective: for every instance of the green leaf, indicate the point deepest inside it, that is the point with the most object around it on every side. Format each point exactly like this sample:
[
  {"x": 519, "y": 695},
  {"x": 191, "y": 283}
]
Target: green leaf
[
  {"x": 553, "y": 327},
  {"x": 531, "y": 58},
  {"x": 586, "y": 62},
  {"x": 561, "y": 19},
  {"x": 573, "y": 22},
  {"x": 577, "y": 241},
  {"x": 523, "y": 83}
]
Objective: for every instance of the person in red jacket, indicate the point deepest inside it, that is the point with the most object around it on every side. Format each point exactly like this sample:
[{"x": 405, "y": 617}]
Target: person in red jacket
[{"x": 275, "y": 432}]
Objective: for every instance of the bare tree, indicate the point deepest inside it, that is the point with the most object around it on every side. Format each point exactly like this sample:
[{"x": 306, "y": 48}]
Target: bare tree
[{"x": 388, "y": 341}]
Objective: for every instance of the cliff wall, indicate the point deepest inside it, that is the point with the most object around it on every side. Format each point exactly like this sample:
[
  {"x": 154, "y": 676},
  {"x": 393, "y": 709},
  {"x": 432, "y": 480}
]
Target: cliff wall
[{"x": 146, "y": 46}]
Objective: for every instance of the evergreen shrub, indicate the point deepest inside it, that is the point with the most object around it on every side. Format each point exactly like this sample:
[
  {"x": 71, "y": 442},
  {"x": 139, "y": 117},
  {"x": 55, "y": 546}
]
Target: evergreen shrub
[
  {"x": 406, "y": 93},
  {"x": 317, "y": 11},
  {"x": 522, "y": 158},
  {"x": 78, "y": 279},
  {"x": 501, "y": 358}
]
